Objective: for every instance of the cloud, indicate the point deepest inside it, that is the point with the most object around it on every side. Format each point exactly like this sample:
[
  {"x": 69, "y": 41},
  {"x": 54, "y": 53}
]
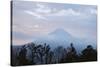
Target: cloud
[
  {"x": 40, "y": 5},
  {"x": 41, "y": 8},
  {"x": 35, "y": 14},
  {"x": 66, "y": 12},
  {"x": 44, "y": 9}
]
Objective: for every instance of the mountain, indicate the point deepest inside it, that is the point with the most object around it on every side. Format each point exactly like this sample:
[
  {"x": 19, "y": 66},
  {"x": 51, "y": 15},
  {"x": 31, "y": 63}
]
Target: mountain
[
  {"x": 60, "y": 32},
  {"x": 56, "y": 38},
  {"x": 60, "y": 37}
]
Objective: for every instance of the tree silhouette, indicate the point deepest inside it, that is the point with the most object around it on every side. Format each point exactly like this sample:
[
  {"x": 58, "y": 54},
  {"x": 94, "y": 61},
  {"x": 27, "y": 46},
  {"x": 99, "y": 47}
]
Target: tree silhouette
[
  {"x": 89, "y": 54},
  {"x": 59, "y": 54},
  {"x": 71, "y": 54},
  {"x": 43, "y": 54},
  {"x": 48, "y": 54},
  {"x": 22, "y": 56},
  {"x": 32, "y": 47}
]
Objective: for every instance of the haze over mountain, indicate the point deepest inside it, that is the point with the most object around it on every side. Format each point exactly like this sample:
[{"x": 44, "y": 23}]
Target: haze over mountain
[{"x": 60, "y": 37}]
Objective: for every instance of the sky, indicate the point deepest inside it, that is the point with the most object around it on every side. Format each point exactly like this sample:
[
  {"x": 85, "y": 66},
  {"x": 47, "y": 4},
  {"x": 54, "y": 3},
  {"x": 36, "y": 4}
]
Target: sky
[{"x": 33, "y": 19}]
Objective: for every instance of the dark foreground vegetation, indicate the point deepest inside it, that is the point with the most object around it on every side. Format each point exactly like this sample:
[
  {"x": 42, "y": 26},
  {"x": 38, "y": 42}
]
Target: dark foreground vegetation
[{"x": 33, "y": 54}]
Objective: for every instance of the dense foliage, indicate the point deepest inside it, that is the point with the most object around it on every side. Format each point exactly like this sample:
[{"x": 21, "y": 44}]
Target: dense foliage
[{"x": 33, "y": 54}]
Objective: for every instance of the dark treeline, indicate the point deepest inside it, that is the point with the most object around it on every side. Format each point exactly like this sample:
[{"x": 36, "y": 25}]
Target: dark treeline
[{"x": 32, "y": 54}]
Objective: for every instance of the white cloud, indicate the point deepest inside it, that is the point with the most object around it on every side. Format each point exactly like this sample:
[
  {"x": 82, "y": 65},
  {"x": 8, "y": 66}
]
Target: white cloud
[
  {"x": 35, "y": 14},
  {"x": 73, "y": 12},
  {"x": 66, "y": 12},
  {"x": 44, "y": 9},
  {"x": 41, "y": 8}
]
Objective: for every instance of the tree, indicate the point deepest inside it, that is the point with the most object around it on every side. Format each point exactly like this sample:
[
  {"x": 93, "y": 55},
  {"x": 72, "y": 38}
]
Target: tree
[
  {"x": 48, "y": 54},
  {"x": 32, "y": 47},
  {"x": 71, "y": 54},
  {"x": 89, "y": 54},
  {"x": 59, "y": 54},
  {"x": 22, "y": 56}
]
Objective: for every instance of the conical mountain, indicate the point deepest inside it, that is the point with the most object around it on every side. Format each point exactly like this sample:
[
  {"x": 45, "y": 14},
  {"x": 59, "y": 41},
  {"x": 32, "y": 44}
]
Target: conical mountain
[{"x": 61, "y": 33}]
